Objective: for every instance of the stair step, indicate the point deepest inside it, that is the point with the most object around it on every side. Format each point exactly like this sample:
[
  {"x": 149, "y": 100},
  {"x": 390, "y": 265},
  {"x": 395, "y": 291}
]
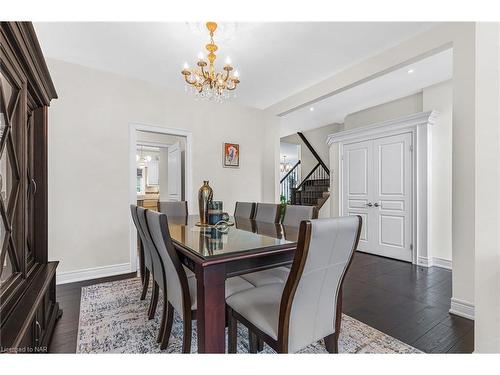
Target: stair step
[
  {"x": 316, "y": 188},
  {"x": 324, "y": 181}
]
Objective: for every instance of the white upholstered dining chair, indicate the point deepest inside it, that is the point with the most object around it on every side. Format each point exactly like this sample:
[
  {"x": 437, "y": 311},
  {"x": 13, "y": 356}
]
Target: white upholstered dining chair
[
  {"x": 180, "y": 283},
  {"x": 178, "y": 209},
  {"x": 267, "y": 212},
  {"x": 294, "y": 214},
  {"x": 308, "y": 306},
  {"x": 244, "y": 210}
]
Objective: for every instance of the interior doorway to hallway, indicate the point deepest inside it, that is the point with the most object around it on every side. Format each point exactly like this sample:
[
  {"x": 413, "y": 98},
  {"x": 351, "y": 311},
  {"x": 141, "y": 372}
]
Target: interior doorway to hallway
[
  {"x": 159, "y": 164},
  {"x": 160, "y": 167}
]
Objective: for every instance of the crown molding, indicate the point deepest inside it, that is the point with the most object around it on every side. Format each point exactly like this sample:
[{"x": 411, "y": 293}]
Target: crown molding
[{"x": 410, "y": 121}]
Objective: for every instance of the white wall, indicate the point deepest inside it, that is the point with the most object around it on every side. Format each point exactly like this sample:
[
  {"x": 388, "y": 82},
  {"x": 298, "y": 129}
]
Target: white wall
[
  {"x": 387, "y": 111},
  {"x": 89, "y": 218},
  {"x": 439, "y": 97},
  {"x": 487, "y": 275}
]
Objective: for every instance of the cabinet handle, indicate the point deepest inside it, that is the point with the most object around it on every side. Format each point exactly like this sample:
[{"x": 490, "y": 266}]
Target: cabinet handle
[
  {"x": 38, "y": 332},
  {"x": 369, "y": 204},
  {"x": 376, "y": 205},
  {"x": 34, "y": 185}
]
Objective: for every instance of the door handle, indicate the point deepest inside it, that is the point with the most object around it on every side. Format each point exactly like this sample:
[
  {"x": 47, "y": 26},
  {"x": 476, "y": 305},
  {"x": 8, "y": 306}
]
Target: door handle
[
  {"x": 369, "y": 204},
  {"x": 376, "y": 205}
]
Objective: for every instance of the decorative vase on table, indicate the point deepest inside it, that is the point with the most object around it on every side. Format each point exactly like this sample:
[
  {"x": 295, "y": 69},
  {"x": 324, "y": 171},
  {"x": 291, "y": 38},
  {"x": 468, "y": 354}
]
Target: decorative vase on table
[{"x": 205, "y": 195}]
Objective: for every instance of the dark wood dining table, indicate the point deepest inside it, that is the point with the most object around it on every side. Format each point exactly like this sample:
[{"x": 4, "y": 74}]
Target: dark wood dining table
[{"x": 215, "y": 255}]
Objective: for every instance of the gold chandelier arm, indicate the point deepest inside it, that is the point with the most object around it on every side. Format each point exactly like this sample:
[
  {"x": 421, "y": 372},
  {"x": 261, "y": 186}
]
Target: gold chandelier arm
[
  {"x": 205, "y": 74},
  {"x": 227, "y": 76},
  {"x": 191, "y": 82},
  {"x": 231, "y": 88}
]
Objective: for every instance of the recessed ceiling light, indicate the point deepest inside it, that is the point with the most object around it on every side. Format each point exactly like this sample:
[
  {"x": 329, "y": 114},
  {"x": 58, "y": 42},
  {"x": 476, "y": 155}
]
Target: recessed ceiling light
[
  {"x": 410, "y": 71},
  {"x": 311, "y": 109}
]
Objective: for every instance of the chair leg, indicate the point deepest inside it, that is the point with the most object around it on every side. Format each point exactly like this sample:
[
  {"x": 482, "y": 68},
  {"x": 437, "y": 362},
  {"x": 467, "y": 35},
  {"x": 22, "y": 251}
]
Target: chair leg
[
  {"x": 167, "y": 330},
  {"x": 186, "y": 340},
  {"x": 154, "y": 301},
  {"x": 163, "y": 317},
  {"x": 232, "y": 332},
  {"x": 332, "y": 343},
  {"x": 145, "y": 285},
  {"x": 260, "y": 344},
  {"x": 252, "y": 341}
]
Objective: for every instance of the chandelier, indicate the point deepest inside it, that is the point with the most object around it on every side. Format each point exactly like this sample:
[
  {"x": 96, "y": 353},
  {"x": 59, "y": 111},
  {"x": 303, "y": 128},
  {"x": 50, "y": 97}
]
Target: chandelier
[
  {"x": 204, "y": 82},
  {"x": 284, "y": 166},
  {"x": 141, "y": 159}
]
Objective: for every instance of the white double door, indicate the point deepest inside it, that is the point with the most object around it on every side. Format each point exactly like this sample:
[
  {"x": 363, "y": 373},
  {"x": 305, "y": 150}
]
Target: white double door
[{"x": 377, "y": 185}]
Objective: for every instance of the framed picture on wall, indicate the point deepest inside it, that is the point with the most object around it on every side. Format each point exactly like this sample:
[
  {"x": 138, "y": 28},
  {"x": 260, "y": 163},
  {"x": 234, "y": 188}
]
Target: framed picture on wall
[{"x": 231, "y": 155}]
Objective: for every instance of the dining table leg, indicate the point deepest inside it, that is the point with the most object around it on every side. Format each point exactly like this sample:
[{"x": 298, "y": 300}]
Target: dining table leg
[{"x": 211, "y": 303}]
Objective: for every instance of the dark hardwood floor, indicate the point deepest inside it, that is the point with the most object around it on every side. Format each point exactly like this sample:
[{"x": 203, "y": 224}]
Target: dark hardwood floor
[
  {"x": 405, "y": 301},
  {"x": 408, "y": 302}
]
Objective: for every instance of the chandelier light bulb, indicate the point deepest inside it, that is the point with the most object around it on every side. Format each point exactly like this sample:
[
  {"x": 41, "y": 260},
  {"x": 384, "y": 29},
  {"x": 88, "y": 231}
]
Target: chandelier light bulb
[
  {"x": 186, "y": 66},
  {"x": 237, "y": 74},
  {"x": 200, "y": 55},
  {"x": 228, "y": 60}
]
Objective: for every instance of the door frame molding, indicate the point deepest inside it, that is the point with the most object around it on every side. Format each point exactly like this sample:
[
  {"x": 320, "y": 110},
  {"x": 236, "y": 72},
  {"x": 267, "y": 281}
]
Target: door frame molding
[
  {"x": 188, "y": 190},
  {"x": 419, "y": 125}
]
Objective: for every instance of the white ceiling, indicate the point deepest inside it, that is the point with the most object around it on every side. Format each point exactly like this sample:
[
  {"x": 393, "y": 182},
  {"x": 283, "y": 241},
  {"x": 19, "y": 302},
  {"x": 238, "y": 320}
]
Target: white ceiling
[
  {"x": 391, "y": 86},
  {"x": 275, "y": 60}
]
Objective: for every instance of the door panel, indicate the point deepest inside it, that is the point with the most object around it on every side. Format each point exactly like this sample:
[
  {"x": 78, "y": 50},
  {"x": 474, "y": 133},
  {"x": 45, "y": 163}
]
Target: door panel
[
  {"x": 392, "y": 192},
  {"x": 174, "y": 179},
  {"x": 357, "y": 177}
]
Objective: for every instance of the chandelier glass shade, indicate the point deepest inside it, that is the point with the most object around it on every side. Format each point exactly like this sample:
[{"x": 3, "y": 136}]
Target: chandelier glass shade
[{"x": 204, "y": 81}]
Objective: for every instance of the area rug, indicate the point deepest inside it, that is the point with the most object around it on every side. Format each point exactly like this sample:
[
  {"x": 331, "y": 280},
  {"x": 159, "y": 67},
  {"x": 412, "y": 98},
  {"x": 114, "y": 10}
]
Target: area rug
[{"x": 114, "y": 320}]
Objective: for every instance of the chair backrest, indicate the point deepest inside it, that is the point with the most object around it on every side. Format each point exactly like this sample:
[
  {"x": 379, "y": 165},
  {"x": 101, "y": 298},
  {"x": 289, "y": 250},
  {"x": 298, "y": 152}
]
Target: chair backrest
[
  {"x": 158, "y": 271},
  {"x": 173, "y": 208},
  {"x": 295, "y": 214},
  {"x": 268, "y": 229},
  {"x": 244, "y": 210},
  {"x": 177, "y": 284},
  {"x": 267, "y": 212},
  {"x": 310, "y": 301},
  {"x": 147, "y": 256},
  {"x": 244, "y": 224}
]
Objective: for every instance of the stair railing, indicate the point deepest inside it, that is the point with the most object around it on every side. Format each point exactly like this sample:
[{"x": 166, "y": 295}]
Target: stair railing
[
  {"x": 320, "y": 180},
  {"x": 288, "y": 183}
]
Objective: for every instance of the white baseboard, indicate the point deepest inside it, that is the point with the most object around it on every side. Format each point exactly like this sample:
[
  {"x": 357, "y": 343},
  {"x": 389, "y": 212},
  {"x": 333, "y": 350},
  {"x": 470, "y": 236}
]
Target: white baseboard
[
  {"x": 462, "y": 308},
  {"x": 424, "y": 262},
  {"x": 92, "y": 273},
  {"x": 442, "y": 263},
  {"x": 434, "y": 262}
]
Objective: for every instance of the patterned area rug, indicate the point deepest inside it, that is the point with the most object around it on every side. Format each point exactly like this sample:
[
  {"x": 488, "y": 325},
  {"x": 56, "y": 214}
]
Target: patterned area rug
[{"x": 114, "y": 320}]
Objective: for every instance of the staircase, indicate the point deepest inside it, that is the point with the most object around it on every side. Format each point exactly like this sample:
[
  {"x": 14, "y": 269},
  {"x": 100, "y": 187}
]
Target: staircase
[{"x": 313, "y": 190}]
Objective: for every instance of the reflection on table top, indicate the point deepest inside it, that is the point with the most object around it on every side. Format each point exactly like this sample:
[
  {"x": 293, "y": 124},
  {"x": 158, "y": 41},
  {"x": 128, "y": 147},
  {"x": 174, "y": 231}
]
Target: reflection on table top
[{"x": 245, "y": 236}]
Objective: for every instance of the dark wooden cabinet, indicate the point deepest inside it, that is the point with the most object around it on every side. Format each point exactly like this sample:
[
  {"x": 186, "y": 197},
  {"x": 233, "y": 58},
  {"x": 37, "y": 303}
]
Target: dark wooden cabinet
[{"x": 28, "y": 306}]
